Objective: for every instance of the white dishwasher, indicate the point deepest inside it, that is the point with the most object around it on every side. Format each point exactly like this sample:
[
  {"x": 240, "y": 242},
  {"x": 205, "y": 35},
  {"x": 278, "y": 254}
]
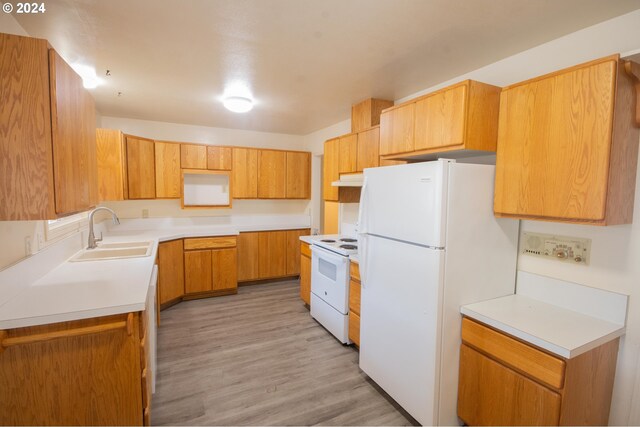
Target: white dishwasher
[{"x": 150, "y": 312}]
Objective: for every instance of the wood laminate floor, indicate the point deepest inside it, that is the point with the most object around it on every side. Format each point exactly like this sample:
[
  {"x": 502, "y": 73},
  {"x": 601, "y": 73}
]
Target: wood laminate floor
[{"x": 258, "y": 358}]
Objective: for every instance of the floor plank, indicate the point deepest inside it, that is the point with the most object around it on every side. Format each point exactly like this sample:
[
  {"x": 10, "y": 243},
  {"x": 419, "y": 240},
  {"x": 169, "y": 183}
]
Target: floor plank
[{"x": 258, "y": 358}]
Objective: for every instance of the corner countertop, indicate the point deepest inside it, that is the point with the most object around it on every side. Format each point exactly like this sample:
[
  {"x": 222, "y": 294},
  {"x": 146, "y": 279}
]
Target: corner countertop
[
  {"x": 81, "y": 290},
  {"x": 558, "y": 330}
]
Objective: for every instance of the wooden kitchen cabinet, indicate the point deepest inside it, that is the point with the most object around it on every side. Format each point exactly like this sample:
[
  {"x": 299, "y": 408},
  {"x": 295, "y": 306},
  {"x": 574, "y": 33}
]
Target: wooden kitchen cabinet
[
  {"x": 568, "y": 146},
  {"x": 348, "y": 151},
  {"x": 368, "y": 155},
  {"x": 248, "y": 255},
  {"x": 81, "y": 372},
  {"x": 272, "y": 254},
  {"x": 298, "y": 175},
  {"x": 110, "y": 151},
  {"x": 354, "y": 303},
  {"x": 210, "y": 266},
  {"x": 366, "y": 114},
  {"x": 167, "y": 168},
  {"x": 219, "y": 158},
  {"x": 397, "y": 129},
  {"x": 170, "y": 271},
  {"x": 293, "y": 250},
  {"x": 48, "y": 162},
  {"x": 193, "y": 156},
  {"x": 506, "y": 381},
  {"x": 244, "y": 173},
  {"x": 305, "y": 273},
  {"x": 268, "y": 254},
  {"x": 141, "y": 174},
  {"x": 272, "y": 166},
  {"x": 331, "y": 169}
]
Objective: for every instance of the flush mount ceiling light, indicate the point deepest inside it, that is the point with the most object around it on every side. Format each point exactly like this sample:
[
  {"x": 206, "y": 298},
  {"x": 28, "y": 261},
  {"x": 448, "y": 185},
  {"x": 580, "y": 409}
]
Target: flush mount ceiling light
[{"x": 237, "y": 104}]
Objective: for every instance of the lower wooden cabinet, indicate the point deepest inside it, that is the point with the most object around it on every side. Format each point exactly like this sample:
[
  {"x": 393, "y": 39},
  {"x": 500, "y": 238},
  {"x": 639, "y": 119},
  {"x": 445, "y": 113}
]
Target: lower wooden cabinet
[
  {"x": 82, "y": 372},
  {"x": 354, "y": 303},
  {"x": 305, "y": 273},
  {"x": 505, "y": 381},
  {"x": 210, "y": 265},
  {"x": 170, "y": 271},
  {"x": 272, "y": 254}
]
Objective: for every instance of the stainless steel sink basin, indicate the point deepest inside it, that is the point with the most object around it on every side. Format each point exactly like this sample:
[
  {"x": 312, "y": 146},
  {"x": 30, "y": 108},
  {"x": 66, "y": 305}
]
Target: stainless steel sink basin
[{"x": 114, "y": 251}]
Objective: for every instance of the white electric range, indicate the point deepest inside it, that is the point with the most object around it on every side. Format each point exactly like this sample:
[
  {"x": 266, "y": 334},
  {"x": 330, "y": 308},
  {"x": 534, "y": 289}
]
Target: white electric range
[{"x": 330, "y": 282}]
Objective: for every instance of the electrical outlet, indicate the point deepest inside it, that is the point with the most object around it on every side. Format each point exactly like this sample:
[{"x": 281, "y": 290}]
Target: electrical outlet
[
  {"x": 145, "y": 213},
  {"x": 575, "y": 250}
]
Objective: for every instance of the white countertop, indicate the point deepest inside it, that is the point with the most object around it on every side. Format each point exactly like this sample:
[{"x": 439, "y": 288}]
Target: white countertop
[
  {"x": 80, "y": 290},
  {"x": 562, "y": 331}
]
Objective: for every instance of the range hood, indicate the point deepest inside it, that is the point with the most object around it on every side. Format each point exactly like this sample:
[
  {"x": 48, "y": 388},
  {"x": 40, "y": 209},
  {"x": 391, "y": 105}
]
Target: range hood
[{"x": 350, "y": 180}]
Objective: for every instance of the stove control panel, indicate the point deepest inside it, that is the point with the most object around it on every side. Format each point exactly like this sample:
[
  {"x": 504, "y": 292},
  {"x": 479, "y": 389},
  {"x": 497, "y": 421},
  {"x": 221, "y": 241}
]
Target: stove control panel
[{"x": 574, "y": 250}]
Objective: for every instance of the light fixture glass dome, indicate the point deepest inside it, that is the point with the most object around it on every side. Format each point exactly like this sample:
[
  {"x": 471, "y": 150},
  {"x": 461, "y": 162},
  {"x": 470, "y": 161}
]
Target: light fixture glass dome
[{"x": 238, "y": 104}]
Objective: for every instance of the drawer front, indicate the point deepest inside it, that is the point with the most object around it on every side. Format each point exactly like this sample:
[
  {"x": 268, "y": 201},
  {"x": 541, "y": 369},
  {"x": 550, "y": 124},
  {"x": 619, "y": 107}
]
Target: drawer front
[
  {"x": 354, "y": 271},
  {"x": 210, "y": 242},
  {"x": 516, "y": 354},
  {"x": 305, "y": 249},
  {"x": 354, "y": 328},
  {"x": 354, "y": 297}
]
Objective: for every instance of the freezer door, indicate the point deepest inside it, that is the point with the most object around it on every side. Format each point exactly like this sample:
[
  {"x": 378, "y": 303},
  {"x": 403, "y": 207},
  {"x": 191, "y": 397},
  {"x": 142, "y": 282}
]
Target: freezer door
[
  {"x": 399, "y": 323},
  {"x": 405, "y": 202}
]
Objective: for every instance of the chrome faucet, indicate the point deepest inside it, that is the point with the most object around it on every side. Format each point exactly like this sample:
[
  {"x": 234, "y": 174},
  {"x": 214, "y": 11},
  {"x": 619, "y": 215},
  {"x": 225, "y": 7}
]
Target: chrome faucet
[{"x": 92, "y": 237}]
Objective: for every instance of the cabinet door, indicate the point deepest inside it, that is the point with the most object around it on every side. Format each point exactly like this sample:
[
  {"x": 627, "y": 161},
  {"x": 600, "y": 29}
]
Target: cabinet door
[
  {"x": 439, "y": 120},
  {"x": 293, "y": 250},
  {"x": 224, "y": 265},
  {"x": 305, "y": 279},
  {"x": 298, "y": 175},
  {"x": 554, "y": 140},
  {"x": 244, "y": 173},
  {"x": 348, "y": 147},
  {"x": 170, "y": 271},
  {"x": 330, "y": 219},
  {"x": 248, "y": 254},
  {"x": 141, "y": 174},
  {"x": 167, "y": 170},
  {"x": 330, "y": 169},
  {"x": 492, "y": 394},
  {"x": 219, "y": 158},
  {"x": 354, "y": 328},
  {"x": 193, "y": 156},
  {"x": 272, "y": 254},
  {"x": 397, "y": 130},
  {"x": 272, "y": 174},
  {"x": 73, "y": 130},
  {"x": 368, "y": 149},
  {"x": 110, "y": 153},
  {"x": 197, "y": 271}
]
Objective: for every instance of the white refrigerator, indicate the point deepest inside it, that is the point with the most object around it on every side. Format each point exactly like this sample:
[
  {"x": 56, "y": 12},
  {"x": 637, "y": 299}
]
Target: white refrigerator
[{"x": 429, "y": 243}]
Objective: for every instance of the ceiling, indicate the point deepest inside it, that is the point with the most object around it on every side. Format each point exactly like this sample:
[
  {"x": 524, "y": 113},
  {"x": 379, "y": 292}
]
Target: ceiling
[{"x": 304, "y": 61}]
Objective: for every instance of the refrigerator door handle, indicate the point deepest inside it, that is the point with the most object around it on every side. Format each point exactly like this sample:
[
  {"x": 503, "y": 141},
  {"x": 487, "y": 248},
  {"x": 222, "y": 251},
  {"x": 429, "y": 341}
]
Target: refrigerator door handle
[
  {"x": 362, "y": 230},
  {"x": 362, "y": 242},
  {"x": 362, "y": 208}
]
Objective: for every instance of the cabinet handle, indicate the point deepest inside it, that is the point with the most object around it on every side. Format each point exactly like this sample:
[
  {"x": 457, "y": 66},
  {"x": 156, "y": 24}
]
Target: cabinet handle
[{"x": 87, "y": 330}]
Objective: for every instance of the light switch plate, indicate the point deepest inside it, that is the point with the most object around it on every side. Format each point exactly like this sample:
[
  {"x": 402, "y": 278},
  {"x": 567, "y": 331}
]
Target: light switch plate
[{"x": 574, "y": 250}]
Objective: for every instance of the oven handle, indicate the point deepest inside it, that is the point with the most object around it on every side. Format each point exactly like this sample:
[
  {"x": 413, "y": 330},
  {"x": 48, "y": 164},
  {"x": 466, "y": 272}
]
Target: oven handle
[{"x": 327, "y": 254}]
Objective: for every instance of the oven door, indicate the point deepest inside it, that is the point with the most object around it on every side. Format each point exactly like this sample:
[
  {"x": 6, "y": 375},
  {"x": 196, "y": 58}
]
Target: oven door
[{"x": 330, "y": 278}]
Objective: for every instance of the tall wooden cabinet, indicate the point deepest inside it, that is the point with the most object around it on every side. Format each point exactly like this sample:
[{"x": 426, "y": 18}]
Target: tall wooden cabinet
[
  {"x": 110, "y": 150},
  {"x": 48, "y": 141},
  {"x": 331, "y": 169},
  {"x": 568, "y": 146}
]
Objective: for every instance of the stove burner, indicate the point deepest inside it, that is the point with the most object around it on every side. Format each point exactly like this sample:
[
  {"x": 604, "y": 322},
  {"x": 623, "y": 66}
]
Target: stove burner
[
  {"x": 348, "y": 246},
  {"x": 328, "y": 241},
  {"x": 348, "y": 240}
]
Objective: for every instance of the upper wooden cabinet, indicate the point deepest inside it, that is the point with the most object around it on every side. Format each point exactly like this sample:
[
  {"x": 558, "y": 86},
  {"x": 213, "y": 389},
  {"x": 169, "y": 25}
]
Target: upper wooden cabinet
[
  {"x": 141, "y": 176},
  {"x": 48, "y": 164},
  {"x": 368, "y": 149},
  {"x": 219, "y": 158},
  {"x": 167, "y": 168},
  {"x": 347, "y": 158},
  {"x": 111, "y": 160},
  {"x": 193, "y": 156},
  {"x": 331, "y": 169},
  {"x": 272, "y": 174},
  {"x": 244, "y": 173},
  {"x": 298, "y": 175},
  {"x": 366, "y": 114},
  {"x": 460, "y": 117},
  {"x": 568, "y": 146}
]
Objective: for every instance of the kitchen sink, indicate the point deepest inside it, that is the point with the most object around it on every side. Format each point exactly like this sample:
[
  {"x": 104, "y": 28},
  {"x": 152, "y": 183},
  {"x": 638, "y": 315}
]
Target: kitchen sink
[{"x": 114, "y": 251}]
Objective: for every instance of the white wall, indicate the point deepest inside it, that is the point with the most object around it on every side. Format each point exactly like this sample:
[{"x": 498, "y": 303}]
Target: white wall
[{"x": 615, "y": 263}]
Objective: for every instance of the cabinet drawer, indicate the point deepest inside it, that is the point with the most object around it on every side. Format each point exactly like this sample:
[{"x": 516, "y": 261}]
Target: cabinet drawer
[
  {"x": 354, "y": 297},
  {"x": 305, "y": 249},
  {"x": 354, "y": 271},
  {"x": 210, "y": 243},
  {"x": 354, "y": 328},
  {"x": 531, "y": 361}
]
